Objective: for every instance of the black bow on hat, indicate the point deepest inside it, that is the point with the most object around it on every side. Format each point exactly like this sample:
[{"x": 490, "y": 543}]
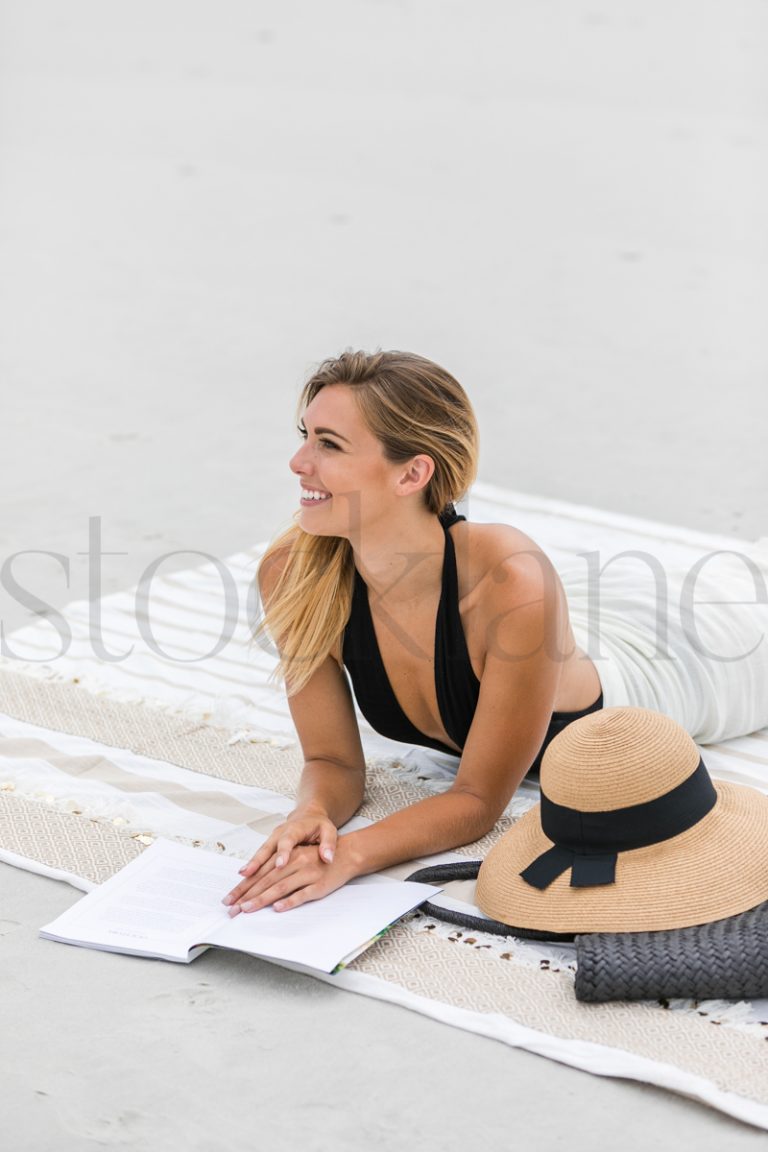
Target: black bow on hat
[{"x": 589, "y": 842}]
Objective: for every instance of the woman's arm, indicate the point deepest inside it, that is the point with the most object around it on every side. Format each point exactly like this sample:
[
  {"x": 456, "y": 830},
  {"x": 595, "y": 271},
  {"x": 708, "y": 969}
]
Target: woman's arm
[
  {"x": 522, "y": 624},
  {"x": 332, "y": 782},
  {"x": 333, "y": 778}
]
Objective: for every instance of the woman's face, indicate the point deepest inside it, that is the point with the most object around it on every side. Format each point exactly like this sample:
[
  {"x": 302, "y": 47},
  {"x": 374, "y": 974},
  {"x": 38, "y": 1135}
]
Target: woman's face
[{"x": 345, "y": 478}]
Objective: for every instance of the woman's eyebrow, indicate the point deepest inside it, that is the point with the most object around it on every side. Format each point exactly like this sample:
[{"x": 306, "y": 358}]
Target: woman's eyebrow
[{"x": 330, "y": 431}]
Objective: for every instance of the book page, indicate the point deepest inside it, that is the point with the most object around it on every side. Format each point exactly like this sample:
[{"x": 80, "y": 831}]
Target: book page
[
  {"x": 162, "y": 904},
  {"x": 324, "y": 932}
]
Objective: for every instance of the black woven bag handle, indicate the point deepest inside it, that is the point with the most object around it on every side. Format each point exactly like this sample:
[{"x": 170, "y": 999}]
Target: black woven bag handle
[{"x": 468, "y": 870}]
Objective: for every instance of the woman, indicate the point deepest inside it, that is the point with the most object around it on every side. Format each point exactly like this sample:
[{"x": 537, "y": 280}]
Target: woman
[{"x": 455, "y": 635}]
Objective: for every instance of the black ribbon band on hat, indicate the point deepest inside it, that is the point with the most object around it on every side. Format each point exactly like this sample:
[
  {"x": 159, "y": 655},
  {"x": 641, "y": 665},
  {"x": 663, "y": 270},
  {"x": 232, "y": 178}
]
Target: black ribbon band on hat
[{"x": 588, "y": 842}]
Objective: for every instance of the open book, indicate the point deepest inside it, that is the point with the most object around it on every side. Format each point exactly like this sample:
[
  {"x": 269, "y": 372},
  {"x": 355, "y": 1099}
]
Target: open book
[{"x": 167, "y": 904}]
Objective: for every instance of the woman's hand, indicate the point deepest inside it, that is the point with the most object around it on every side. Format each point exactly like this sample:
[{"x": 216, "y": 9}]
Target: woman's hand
[
  {"x": 305, "y": 827},
  {"x": 304, "y": 876}
]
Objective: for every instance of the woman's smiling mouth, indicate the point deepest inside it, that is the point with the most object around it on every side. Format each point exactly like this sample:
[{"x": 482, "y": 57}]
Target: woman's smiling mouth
[{"x": 311, "y": 496}]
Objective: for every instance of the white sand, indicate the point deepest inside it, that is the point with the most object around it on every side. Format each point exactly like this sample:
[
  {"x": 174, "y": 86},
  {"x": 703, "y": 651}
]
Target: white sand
[{"x": 564, "y": 204}]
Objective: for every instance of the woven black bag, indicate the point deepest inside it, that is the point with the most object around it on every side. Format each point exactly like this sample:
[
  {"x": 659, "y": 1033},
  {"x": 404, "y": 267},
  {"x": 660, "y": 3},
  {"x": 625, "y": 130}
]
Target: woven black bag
[{"x": 724, "y": 960}]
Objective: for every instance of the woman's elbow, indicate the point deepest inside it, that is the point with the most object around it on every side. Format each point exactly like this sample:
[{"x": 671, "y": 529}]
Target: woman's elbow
[{"x": 483, "y": 811}]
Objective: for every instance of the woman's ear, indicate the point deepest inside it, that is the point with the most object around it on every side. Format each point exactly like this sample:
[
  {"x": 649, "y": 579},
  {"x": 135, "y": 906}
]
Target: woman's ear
[{"x": 415, "y": 476}]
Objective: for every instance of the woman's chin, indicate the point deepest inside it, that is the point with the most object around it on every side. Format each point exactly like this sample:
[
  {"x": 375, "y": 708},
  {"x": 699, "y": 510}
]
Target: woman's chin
[{"x": 315, "y": 525}]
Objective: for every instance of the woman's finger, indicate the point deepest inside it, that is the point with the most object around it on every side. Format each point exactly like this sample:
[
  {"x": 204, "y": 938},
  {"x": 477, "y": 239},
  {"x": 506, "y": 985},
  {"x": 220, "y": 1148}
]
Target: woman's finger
[
  {"x": 256, "y": 887},
  {"x": 328, "y": 836},
  {"x": 249, "y": 882},
  {"x": 285, "y": 886},
  {"x": 306, "y": 878},
  {"x": 285, "y": 838},
  {"x": 259, "y": 858},
  {"x": 305, "y": 869},
  {"x": 302, "y": 896},
  {"x": 285, "y": 845}
]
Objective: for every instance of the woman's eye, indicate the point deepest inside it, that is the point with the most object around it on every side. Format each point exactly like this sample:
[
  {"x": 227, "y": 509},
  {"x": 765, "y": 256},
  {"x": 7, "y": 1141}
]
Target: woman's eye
[{"x": 321, "y": 440}]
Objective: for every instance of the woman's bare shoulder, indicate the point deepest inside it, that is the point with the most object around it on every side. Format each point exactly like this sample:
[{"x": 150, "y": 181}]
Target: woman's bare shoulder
[{"x": 497, "y": 553}]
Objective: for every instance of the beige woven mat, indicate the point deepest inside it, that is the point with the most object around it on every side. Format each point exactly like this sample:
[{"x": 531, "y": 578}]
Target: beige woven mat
[{"x": 435, "y": 965}]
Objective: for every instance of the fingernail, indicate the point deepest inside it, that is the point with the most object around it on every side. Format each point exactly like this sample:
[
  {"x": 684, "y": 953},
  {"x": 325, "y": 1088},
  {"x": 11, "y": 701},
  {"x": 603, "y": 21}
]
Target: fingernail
[
  {"x": 328, "y": 854},
  {"x": 278, "y": 907},
  {"x": 242, "y": 871},
  {"x": 233, "y": 911},
  {"x": 228, "y": 900},
  {"x": 280, "y": 861},
  {"x": 247, "y": 907}
]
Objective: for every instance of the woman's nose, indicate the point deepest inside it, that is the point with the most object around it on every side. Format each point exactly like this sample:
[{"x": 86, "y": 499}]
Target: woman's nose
[{"x": 298, "y": 462}]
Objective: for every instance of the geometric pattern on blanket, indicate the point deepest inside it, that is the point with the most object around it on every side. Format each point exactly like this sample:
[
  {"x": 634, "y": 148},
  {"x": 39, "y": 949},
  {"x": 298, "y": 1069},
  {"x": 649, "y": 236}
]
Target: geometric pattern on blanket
[{"x": 64, "y": 841}]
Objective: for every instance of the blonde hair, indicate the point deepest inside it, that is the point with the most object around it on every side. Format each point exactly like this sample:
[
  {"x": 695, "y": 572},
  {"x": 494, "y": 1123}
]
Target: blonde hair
[{"x": 412, "y": 407}]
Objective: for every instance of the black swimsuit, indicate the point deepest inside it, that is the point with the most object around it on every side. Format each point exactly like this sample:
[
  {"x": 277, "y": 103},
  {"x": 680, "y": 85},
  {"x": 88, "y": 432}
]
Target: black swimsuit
[{"x": 456, "y": 686}]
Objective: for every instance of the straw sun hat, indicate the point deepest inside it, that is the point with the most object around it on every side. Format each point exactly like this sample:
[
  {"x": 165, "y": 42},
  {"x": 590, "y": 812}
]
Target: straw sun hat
[{"x": 631, "y": 835}]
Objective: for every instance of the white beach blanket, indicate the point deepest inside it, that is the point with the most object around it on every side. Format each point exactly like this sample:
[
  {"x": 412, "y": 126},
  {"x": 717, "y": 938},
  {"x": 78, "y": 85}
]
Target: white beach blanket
[
  {"x": 88, "y": 777},
  {"x": 689, "y": 639}
]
